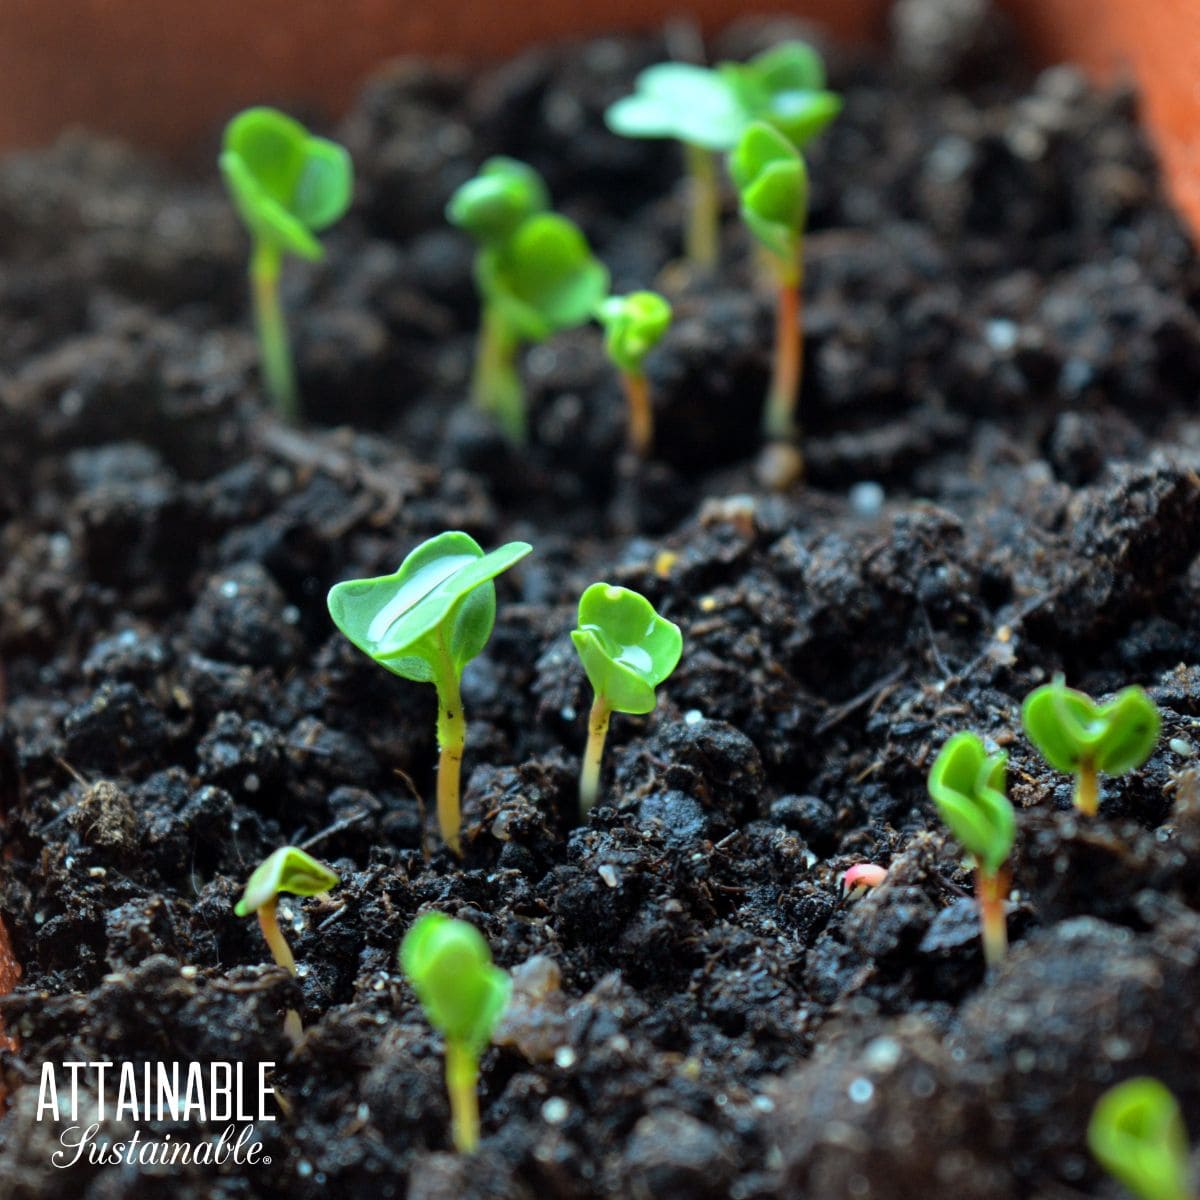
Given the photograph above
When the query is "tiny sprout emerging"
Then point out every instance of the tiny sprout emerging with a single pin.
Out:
(772, 183)
(425, 622)
(287, 186)
(633, 326)
(450, 968)
(967, 786)
(289, 869)
(861, 878)
(1079, 737)
(1138, 1136)
(534, 271)
(627, 650)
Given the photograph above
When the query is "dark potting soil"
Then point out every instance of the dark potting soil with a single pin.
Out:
(1001, 336)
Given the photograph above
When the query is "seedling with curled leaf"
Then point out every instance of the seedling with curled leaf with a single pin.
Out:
(450, 968)
(1138, 1136)
(287, 186)
(633, 326)
(627, 650)
(967, 786)
(425, 622)
(773, 185)
(291, 870)
(535, 273)
(1085, 739)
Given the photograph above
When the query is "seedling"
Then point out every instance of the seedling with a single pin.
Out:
(627, 650)
(772, 183)
(1082, 738)
(535, 273)
(633, 326)
(289, 869)
(425, 622)
(861, 878)
(967, 786)
(287, 186)
(450, 968)
(707, 110)
(1138, 1136)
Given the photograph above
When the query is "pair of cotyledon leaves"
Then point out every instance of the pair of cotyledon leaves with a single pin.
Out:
(1137, 1134)
(289, 869)
(967, 786)
(437, 611)
(712, 107)
(286, 183)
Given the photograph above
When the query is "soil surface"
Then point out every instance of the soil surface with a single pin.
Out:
(1004, 481)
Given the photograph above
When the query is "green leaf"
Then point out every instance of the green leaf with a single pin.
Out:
(289, 869)
(1069, 728)
(773, 183)
(450, 968)
(493, 205)
(285, 183)
(626, 648)
(633, 326)
(790, 66)
(785, 87)
(967, 787)
(441, 595)
(678, 100)
(544, 278)
(1137, 1135)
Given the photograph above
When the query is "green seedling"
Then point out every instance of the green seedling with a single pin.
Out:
(425, 622)
(291, 870)
(633, 326)
(967, 786)
(772, 183)
(627, 650)
(535, 273)
(1079, 737)
(1138, 1136)
(450, 968)
(707, 110)
(287, 186)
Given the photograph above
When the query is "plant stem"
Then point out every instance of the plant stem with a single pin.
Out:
(496, 384)
(779, 416)
(279, 374)
(281, 952)
(593, 756)
(993, 919)
(452, 739)
(1087, 789)
(641, 414)
(702, 235)
(462, 1083)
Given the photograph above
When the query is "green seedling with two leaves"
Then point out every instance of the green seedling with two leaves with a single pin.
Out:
(535, 273)
(289, 869)
(633, 326)
(1079, 737)
(463, 994)
(772, 185)
(425, 622)
(1138, 1136)
(967, 785)
(627, 651)
(708, 110)
(287, 186)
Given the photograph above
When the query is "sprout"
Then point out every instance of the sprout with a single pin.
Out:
(633, 326)
(1085, 739)
(967, 786)
(287, 186)
(861, 878)
(535, 274)
(1138, 1136)
(627, 650)
(289, 869)
(708, 111)
(425, 622)
(773, 185)
(450, 968)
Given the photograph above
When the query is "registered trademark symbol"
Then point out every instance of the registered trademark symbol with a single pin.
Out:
(267, 1161)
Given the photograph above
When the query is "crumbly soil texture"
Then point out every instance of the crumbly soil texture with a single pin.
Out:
(1003, 361)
